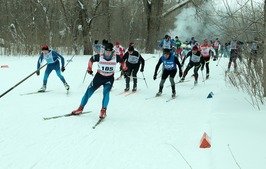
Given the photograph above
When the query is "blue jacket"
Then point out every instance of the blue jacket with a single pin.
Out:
(51, 58)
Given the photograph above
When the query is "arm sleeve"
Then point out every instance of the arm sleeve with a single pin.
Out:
(94, 58)
(59, 56)
(125, 57)
(142, 61)
(39, 62)
(122, 63)
(157, 66)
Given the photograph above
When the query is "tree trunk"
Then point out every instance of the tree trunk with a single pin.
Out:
(264, 57)
(153, 12)
(106, 20)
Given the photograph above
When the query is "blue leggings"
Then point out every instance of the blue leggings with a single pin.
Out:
(50, 67)
(99, 80)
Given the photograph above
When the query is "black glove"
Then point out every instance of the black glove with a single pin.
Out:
(180, 73)
(154, 77)
(90, 72)
(63, 68)
(141, 70)
(38, 72)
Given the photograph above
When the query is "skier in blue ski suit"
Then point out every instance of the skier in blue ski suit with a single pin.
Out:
(52, 59)
(169, 62)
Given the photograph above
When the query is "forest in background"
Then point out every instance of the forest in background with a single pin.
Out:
(71, 26)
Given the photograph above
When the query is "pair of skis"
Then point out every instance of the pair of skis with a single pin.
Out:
(70, 114)
(128, 93)
(39, 92)
(168, 100)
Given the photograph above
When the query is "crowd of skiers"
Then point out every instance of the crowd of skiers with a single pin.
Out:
(173, 60)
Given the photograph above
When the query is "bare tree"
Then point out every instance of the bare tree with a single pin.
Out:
(244, 22)
(264, 55)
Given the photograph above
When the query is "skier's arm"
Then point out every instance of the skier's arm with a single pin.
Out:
(179, 66)
(122, 63)
(39, 62)
(94, 58)
(54, 53)
(157, 67)
(142, 61)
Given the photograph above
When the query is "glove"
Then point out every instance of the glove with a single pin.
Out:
(90, 72)
(141, 70)
(38, 72)
(154, 77)
(180, 73)
(63, 68)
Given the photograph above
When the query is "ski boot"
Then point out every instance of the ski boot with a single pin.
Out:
(173, 95)
(66, 86)
(42, 89)
(102, 113)
(182, 79)
(158, 94)
(78, 111)
(207, 76)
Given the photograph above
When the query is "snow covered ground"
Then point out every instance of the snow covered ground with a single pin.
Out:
(138, 133)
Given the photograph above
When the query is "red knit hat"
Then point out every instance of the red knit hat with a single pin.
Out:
(195, 47)
(45, 47)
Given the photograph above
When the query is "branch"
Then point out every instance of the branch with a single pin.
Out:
(175, 7)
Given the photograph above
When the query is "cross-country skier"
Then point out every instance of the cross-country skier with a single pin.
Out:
(205, 49)
(133, 61)
(105, 76)
(52, 58)
(216, 44)
(195, 61)
(120, 51)
(169, 69)
(235, 49)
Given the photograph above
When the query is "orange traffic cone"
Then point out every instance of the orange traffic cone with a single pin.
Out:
(4, 66)
(205, 141)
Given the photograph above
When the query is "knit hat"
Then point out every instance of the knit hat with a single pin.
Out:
(109, 47)
(195, 47)
(45, 47)
(131, 48)
(104, 42)
(131, 44)
(117, 43)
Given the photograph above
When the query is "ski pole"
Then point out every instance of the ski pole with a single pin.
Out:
(84, 76)
(144, 79)
(218, 61)
(203, 77)
(70, 60)
(22, 81)
(136, 77)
